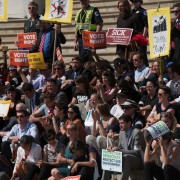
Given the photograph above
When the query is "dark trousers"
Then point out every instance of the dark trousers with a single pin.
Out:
(171, 173)
(152, 170)
(31, 172)
(6, 150)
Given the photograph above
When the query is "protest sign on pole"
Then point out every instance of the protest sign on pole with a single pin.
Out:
(158, 129)
(3, 10)
(4, 107)
(58, 11)
(119, 36)
(72, 178)
(25, 40)
(36, 60)
(18, 57)
(94, 40)
(159, 27)
(111, 160)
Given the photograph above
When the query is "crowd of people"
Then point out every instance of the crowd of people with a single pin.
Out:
(61, 117)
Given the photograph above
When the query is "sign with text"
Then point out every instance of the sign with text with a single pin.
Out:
(119, 36)
(159, 26)
(18, 58)
(4, 10)
(111, 160)
(4, 107)
(72, 178)
(94, 40)
(25, 40)
(36, 60)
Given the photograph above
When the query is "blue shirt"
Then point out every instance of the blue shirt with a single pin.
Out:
(46, 48)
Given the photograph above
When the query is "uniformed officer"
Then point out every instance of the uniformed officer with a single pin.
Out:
(142, 15)
(32, 24)
(87, 18)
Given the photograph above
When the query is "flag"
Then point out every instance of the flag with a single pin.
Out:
(159, 26)
(3, 10)
(58, 11)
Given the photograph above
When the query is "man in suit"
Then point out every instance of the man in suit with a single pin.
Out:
(32, 24)
(32, 99)
(131, 144)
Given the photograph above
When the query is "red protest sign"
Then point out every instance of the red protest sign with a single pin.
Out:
(25, 40)
(95, 40)
(119, 36)
(18, 58)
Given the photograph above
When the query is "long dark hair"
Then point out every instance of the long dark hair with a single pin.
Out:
(77, 111)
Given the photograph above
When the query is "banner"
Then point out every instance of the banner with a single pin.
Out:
(158, 129)
(119, 36)
(72, 178)
(159, 26)
(95, 40)
(36, 60)
(25, 40)
(58, 11)
(112, 160)
(4, 10)
(4, 107)
(18, 57)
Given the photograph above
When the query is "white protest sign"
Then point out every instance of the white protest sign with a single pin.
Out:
(111, 160)
(4, 107)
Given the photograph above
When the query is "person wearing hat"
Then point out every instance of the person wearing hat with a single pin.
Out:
(131, 108)
(32, 24)
(122, 70)
(87, 18)
(121, 97)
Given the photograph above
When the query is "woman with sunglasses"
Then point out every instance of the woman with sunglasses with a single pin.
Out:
(163, 105)
(65, 159)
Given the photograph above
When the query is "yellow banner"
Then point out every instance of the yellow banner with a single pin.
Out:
(4, 107)
(36, 60)
(58, 11)
(159, 23)
(3, 10)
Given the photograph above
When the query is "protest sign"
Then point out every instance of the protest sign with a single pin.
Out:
(4, 10)
(36, 60)
(4, 107)
(18, 58)
(25, 40)
(112, 160)
(95, 40)
(119, 36)
(58, 11)
(158, 129)
(72, 178)
(159, 27)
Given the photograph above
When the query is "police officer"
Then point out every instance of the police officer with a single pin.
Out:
(32, 24)
(87, 18)
(142, 15)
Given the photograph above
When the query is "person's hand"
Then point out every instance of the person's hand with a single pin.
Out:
(13, 176)
(115, 148)
(40, 163)
(7, 83)
(99, 85)
(76, 46)
(74, 168)
(162, 142)
(95, 115)
(148, 140)
(93, 51)
(109, 148)
(19, 70)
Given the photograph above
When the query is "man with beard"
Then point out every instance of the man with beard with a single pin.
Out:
(126, 20)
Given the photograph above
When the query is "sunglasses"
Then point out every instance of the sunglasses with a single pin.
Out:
(21, 116)
(161, 94)
(70, 112)
(57, 68)
(135, 60)
(51, 138)
(31, 7)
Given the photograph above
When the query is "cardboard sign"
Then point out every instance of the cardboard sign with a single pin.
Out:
(36, 60)
(72, 178)
(18, 58)
(59, 55)
(112, 160)
(119, 36)
(4, 107)
(158, 129)
(94, 40)
(4, 10)
(25, 40)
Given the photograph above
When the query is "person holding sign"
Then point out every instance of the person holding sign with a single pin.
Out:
(131, 144)
(88, 18)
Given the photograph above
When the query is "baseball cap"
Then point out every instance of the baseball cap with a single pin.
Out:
(122, 92)
(130, 103)
(119, 62)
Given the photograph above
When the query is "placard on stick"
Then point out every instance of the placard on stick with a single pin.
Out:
(119, 36)
(25, 40)
(4, 107)
(18, 57)
(94, 40)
